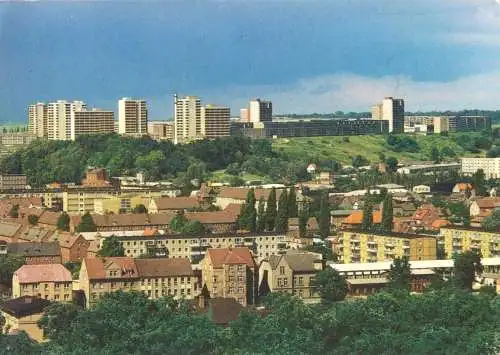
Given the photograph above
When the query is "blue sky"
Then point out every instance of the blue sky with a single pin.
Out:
(306, 56)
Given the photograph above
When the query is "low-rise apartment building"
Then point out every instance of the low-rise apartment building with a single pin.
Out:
(13, 182)
(155, 277)
(52, 282)
(36, 253)
(172, 204)
(230, 273)
(80, 200)
(291, 273)
(490, 166)
(457, 240)
(361, 246)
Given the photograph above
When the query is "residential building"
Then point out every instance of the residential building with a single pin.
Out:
(11, 142)
(59, 118)
(161, 130)
(96, 178)
(355, 219)
(490, 166)
(132, 117)
(230, 273)
(167, 277)
(37, 119)
(80, 200)
(187, 117)
(291, 273)
(393, 111)
(95, 121)
(244, 115)
(484, 206)
(260, 111)
(119, 204)
(377, 112)
(9, 231)
(172, 204)
(221, 311)
(238, 195)
(428, 169)
(150, 241)
(155, 277)
(361, 246)
(52, 282)
(126, 222)
(215, 121)
(460, 239)
(469, 123)
(37, 253)
(73, 247)
(421, 189)
(13, 182)
(23, 314)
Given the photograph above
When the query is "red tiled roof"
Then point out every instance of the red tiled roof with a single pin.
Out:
(240, 193)
(233, 208)
(488, 202)
(49, 218)
(220, 257)
(439, 223)
(356, 217)
(43, 273)
(96, 267)
(463, 186)
(176, 203)
(162, 267)
(212, 217)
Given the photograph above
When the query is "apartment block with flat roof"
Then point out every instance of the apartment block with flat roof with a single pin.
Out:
(161, 130)
(13, 182)
(187, 117)
(37, 119)
(94, 121)
(215, 121)
(490, 166)
(260, 110)
(457, 240)
(132, 117)
(59, 118)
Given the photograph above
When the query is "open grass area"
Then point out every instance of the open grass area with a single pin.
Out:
(222, 176)
(325, 148)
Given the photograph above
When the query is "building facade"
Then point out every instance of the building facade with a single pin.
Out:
(260, 111)
(59, 118)
(13, 182)
(132, 117)
(37, 119)
(93, 121)
(161, 130)
(187, 117)
(393, 111)
(457, 240)
(215, 121)
(52, 282)
(490, 166)
(230, 273)
(363, 247)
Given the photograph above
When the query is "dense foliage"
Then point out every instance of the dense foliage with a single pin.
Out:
(437, 322)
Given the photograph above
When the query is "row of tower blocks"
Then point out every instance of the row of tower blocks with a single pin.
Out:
(67, 120)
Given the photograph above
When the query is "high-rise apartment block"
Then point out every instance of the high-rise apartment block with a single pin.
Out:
(260, 110)
(187, 117)
(94, 121)
(244, 115)
(37, 119)
(59, 118)
(161, 130)
(132, 117)
(215, 121)
(391, 110)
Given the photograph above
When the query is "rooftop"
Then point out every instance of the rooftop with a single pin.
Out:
(24, 306)
(43, 273)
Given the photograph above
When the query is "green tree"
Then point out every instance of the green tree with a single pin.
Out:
(57, 320)
(33, 219)
(261, 215)
(140, 208)
(194, 228)
(293, 210)
(479, 182)
(86, 224)
(325, 250)
(324, 216)
(367, 222)
(331, 286)
(14, 211)
(281, 223)
(74, 267)
(9, 263)
(392, 164)
(303, 219)
(399, 274)
(111, 246)
(271, 210)
(178, 222)
(435, 155)
(491, 223)
(387, 213)
(465, 268)
(249, 218)
(63, 222)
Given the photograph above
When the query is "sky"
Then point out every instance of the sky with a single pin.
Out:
(305, 55)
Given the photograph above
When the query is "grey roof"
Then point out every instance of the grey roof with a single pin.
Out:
(274, 260)
(35, 249)
(34, 234)
(9, 229)
(300, 261)
(341, 212)
(24, 306)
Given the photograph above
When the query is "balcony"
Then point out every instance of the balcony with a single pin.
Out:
(372, 250)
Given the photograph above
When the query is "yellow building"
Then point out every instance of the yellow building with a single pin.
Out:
(457, 240)
(155, 277)
(81, 200)
(119, 204)
(230, 273)
(22, 314)
(291, 273)
(364, 247)
(52, 282)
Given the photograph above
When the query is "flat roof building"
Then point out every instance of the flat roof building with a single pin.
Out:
(132, 117)
(215, 121)
(95, 121)
(187, 116)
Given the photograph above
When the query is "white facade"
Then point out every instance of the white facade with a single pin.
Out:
(187, 118)
(132, 117)
(393, 111)
(260, 111)
(37, 119)
(59, 118)
(490, 166)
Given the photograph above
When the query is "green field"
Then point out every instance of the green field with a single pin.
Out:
(324, 148)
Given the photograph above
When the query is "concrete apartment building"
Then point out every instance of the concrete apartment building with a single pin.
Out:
(187, 118)
(161, 130)
(52, 282)
(132, 117)
(10, 142)
(291, 273)
(81, 200)
(457, 240)
(260, 111)
(363, 247)
(95, 121)
(391, 110)
(59, 118)
(155, 277)
(230, 273)
(13, 182)
(215, 121)
(490, 166)
(37, 119)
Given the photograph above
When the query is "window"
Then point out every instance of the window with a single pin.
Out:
(57, 285)
(56, 297)
(282, 270)
(301, 281)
